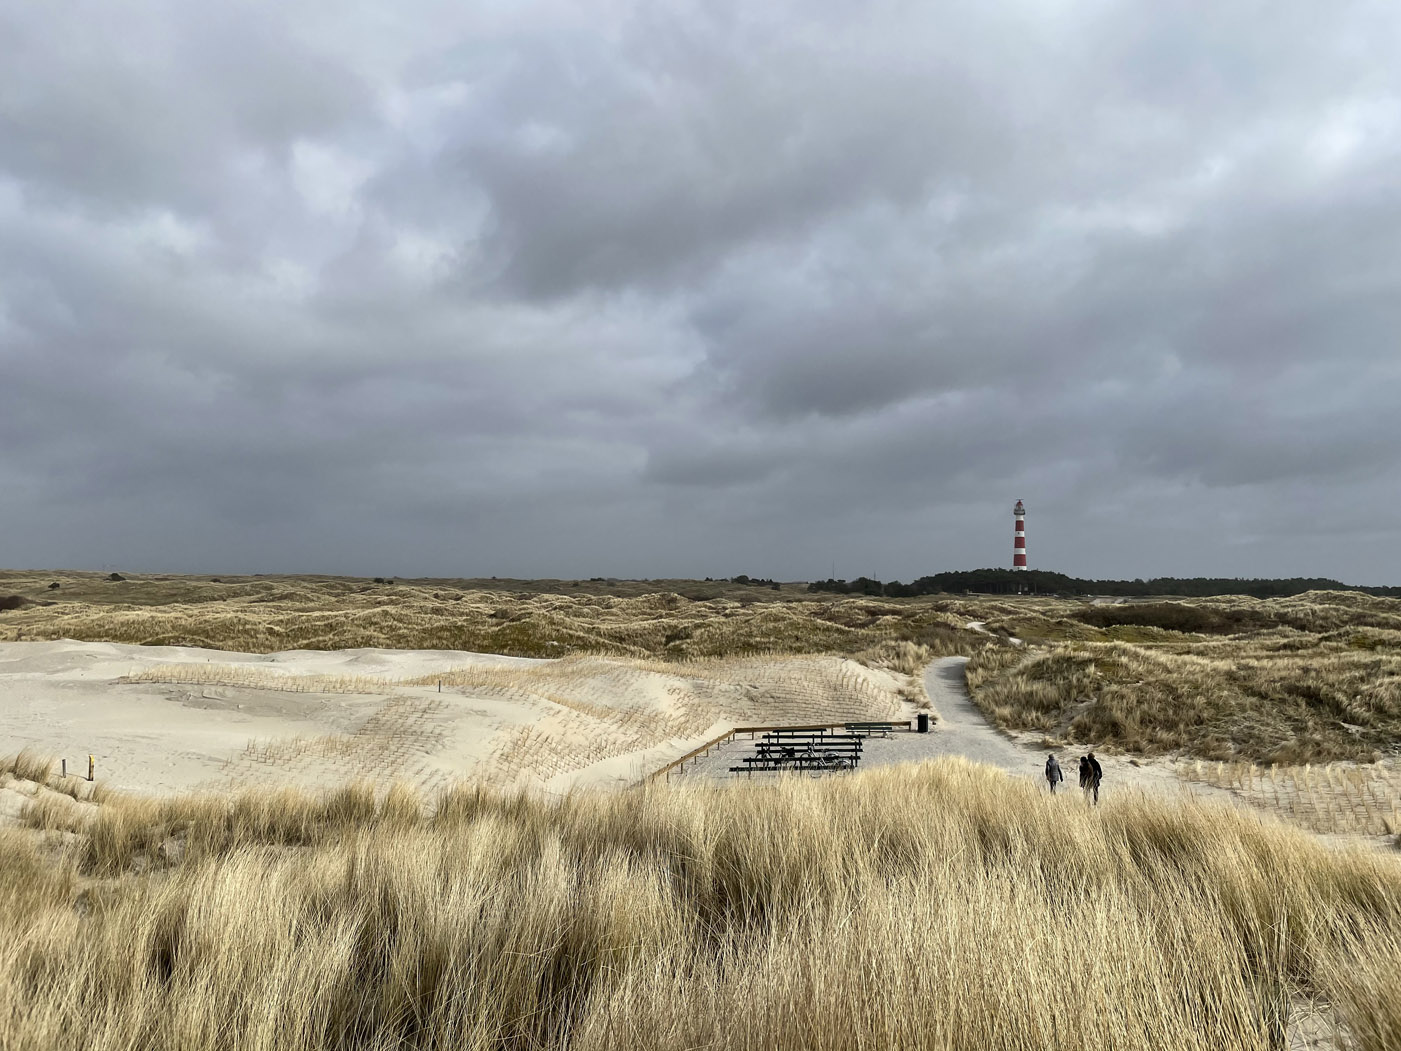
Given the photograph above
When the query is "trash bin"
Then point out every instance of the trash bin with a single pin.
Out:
(922, 723)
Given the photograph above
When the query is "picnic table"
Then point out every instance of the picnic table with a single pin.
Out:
(843, 739)
(871, 729)
(799, 749)
(802, 762)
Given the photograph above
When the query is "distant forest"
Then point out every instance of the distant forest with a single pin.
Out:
(1040, 582)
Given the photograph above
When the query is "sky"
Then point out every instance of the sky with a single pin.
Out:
(669, 289)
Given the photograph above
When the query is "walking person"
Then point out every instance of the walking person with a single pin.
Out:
(1053, 774)
(1096, 775)
(1084, 774)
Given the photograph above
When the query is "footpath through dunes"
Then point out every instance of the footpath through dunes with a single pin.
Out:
(959, 730)
(167, 719)
(963, 730)
(1347, 803)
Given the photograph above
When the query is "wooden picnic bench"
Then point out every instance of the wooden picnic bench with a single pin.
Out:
(837, 753)
(813, 739)
(804, 762)
(817, 745)
(871, 729)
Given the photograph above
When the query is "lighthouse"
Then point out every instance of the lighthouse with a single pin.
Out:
(1019, 537)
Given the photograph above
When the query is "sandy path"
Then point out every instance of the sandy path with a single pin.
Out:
(980, 626)
(960, 729)
(963, 730)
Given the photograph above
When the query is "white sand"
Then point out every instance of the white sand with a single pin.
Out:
(233, 719)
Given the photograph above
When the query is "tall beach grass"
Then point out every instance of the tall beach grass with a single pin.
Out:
(938, 906)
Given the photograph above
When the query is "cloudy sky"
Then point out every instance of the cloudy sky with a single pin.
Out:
(686, 289)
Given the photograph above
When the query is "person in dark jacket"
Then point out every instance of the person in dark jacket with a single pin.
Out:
(1096, 775)
(1084, 773)
(1053, 774)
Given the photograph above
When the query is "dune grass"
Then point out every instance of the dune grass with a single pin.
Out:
(941, 906)
(29, 765)
(52, 795)
(258, 677)
(257, 615)
(1283, 696)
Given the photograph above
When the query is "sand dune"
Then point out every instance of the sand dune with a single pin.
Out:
(165, 718)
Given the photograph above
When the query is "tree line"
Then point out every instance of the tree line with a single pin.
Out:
(1043, 582)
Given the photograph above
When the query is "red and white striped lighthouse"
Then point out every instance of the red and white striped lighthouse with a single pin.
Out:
(1019, 538)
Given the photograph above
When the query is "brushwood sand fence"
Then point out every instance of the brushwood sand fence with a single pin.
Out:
(1330, 799)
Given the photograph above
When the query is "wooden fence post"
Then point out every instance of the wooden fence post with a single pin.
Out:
(90, 766)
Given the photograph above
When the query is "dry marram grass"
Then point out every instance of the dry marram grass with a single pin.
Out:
(265, 616)
(941, 906)
(28, 765)
(1317, 679)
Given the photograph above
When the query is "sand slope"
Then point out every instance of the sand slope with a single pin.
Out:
(179, 718)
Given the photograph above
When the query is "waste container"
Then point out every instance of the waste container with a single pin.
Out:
(922, 723)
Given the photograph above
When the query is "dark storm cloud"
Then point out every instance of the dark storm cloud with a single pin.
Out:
(699, 288)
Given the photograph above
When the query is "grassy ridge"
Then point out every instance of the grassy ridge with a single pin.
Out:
(1309, 680)
(267, 615)
(1040, 581)
(944, 906)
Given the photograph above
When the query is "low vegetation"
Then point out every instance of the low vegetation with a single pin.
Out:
(936, 906)
(1301, 680)
(28, 765)
(267, 615)
(1042, 582)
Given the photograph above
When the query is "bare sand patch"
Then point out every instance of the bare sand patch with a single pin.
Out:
(167, 719)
